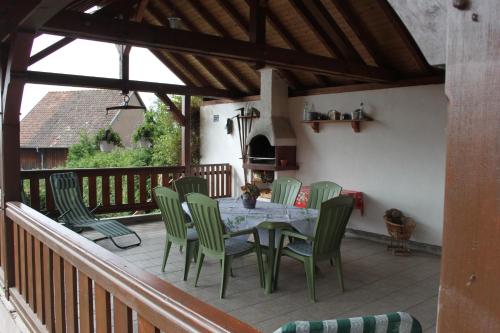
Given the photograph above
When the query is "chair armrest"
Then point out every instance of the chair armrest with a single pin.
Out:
(239, 233)
(94, 209)
(63, 214)
(294, 234)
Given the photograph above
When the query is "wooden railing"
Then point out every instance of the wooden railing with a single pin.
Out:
(66, 283)
(122, 189)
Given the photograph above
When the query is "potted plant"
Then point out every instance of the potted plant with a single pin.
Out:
(107, 139)
(143, 135)
(249, 195)
(400, 228)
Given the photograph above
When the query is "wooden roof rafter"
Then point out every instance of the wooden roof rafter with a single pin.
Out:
(212, 21)
(290, 41)
(210, 65)
(344, 8)
(337, 35)
(86, 26)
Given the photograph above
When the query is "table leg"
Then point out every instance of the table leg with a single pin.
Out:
(271, 252)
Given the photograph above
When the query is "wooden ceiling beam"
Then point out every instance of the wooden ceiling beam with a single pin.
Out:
(405, 35)
(178, 58)
(138, 16)
(337, 35)
(291, 41)
(257, 26)
(208, 64)
(235, 15)
(217, 26)
(313, 24)
(179, 117)
(79, 25)
(117, 84)
(174, 68)
(369, 43)
(27, 14)
(50, 49)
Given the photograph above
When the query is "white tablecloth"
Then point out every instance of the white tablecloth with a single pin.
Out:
(236, 217)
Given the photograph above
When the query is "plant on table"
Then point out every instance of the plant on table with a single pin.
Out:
(249, 196)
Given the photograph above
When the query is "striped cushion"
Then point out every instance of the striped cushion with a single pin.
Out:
(399, 322)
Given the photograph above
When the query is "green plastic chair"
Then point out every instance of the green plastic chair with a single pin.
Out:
(216, 243)
(186, 185)
(323, 245)
(178, 231)
(398, 322)
(322, 191)
(76, 216)
(285, 190)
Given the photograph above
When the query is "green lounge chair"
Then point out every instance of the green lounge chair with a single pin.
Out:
(76, 216)
(217, 244)
(398, 322)
(186, 185)
(322, 191)
(285, 190)
(323, 245)
(178, 231)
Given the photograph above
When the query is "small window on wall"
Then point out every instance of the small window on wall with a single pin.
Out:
(216, 118)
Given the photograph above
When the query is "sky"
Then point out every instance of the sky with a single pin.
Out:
(83, 57)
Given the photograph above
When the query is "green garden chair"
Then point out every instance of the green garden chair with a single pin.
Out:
(186, 185)
(398, 322)
(323, 245)
(178, 231)
(285, 190)
(76, 216)
(216, 243)
(322, 191)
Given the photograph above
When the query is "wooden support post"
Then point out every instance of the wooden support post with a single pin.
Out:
(469, 291)
(10, 181)
(186, 132)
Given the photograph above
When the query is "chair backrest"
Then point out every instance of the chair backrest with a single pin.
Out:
(399, 322)
(285, 190)
(330, 228)
(186, 185)
(171, 212)
(68, 199)
(322, 191)
(207, 221)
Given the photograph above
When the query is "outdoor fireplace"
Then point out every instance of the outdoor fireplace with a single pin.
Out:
(271, 141)
(261, 151)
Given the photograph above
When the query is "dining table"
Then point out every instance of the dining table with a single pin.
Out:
(269, 218)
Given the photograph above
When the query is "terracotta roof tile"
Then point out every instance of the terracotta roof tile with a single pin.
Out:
(60, 116)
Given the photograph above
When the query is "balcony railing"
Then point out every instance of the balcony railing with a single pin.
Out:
(66, 283)
(123, 189)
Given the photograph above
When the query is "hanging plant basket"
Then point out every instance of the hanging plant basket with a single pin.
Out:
(106, 146)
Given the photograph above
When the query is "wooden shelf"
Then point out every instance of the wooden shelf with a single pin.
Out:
(355, 124)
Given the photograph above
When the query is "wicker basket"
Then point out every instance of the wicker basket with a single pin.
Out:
(401, 231)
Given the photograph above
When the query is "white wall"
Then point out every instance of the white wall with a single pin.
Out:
(126, 122)
(397, 160)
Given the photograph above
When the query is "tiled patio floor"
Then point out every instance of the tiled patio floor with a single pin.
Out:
(376, 282)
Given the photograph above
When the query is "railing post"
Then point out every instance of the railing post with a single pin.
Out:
(15, 57)
(186, 133)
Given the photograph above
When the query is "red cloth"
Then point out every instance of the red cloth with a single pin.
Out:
(304, 192)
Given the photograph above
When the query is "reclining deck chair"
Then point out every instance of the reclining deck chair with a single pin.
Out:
(398, 322)
(76, 216)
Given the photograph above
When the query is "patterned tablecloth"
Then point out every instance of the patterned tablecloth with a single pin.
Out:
(235, 217)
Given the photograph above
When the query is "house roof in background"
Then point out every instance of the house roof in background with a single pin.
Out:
(61, 116)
